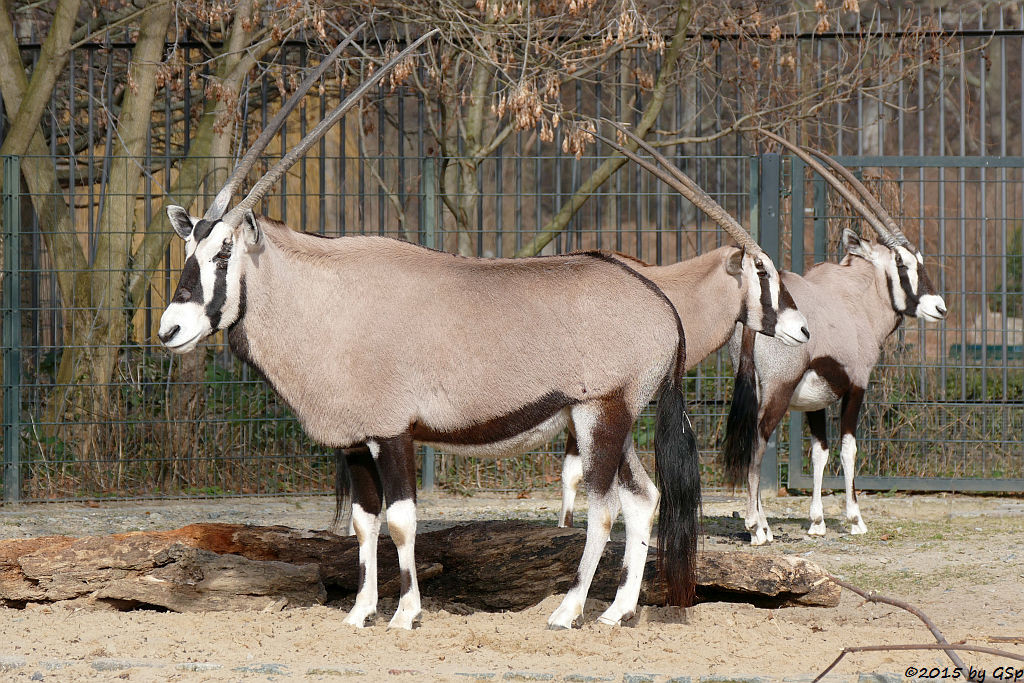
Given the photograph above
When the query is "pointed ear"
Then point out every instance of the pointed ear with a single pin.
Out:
(181, 221)
(855, 246)
(251, 230)
(734, 264)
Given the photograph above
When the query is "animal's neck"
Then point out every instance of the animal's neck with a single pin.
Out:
(871, 296)
(708, 298)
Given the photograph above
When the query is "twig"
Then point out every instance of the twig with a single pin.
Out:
(943, 644)
(871, 596)
(928, 646)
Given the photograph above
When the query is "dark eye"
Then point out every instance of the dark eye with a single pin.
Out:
(224, 254)
(759, 264)
(899, 259)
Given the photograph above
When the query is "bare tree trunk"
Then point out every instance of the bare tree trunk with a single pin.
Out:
(684, 12)
(98, 321)
(52, 57)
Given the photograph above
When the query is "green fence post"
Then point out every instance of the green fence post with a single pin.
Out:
(428, 238)
(768, 237)
(796, 264)
(12, 330)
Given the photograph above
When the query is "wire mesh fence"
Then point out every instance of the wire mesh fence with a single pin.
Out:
(944, 409)
(93, 407)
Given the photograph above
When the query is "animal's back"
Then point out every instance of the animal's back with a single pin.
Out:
(433, 337)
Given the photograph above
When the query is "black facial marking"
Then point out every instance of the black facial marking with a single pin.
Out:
(202, 230)
(498, 428)
(913, 298)
(769, 316)
(190, 286)
(214, 309)
(785, 298)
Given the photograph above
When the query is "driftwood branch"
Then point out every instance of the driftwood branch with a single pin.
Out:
(507, 565)
(942, 644)
(871, 596)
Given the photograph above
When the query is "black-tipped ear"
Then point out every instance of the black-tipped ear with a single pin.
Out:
(734, 264)
(855, 246)
(251, 229)
(181, 221)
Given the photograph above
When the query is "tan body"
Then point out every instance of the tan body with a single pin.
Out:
(849, 330)
(712, 293)
(851, 308)
(423, 339)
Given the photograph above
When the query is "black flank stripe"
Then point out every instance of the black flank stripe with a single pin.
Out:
(498, 428)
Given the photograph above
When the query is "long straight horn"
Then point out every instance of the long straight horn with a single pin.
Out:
(220, 202)
(872, 201)
(684, 185)
(264, 184)
(887, 238)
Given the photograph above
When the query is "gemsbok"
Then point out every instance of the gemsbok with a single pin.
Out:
(712, 292)
(379, 342)
(851, 308)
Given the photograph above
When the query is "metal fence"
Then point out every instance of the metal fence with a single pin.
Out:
(944, 409)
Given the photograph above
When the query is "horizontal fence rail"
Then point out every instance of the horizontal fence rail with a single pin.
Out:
(943, 410)
(95, 408)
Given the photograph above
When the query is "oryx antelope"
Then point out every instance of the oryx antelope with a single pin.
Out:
(379, 342)
(851, 308)
(712, 292)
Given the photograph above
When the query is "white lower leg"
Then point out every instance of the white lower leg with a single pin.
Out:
(638, 512)
(763, 521)
(572, 475)
(402, 526)
(367, 528)
(849, 457)
(754, 519)
(599, 526)
(819, 456)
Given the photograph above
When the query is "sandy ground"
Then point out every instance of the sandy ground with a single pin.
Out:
(959, 558)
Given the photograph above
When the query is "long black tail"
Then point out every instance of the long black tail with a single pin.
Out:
(342, 487)
(741, 426)
(677, 465)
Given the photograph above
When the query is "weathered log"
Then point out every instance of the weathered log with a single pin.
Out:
(487, 565)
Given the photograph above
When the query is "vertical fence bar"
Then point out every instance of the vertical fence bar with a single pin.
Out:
(767, 189)
(796, 264)
(12, 329)
(428, 238)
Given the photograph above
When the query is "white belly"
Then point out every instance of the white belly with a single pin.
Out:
(517, 445)
(812, 393)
